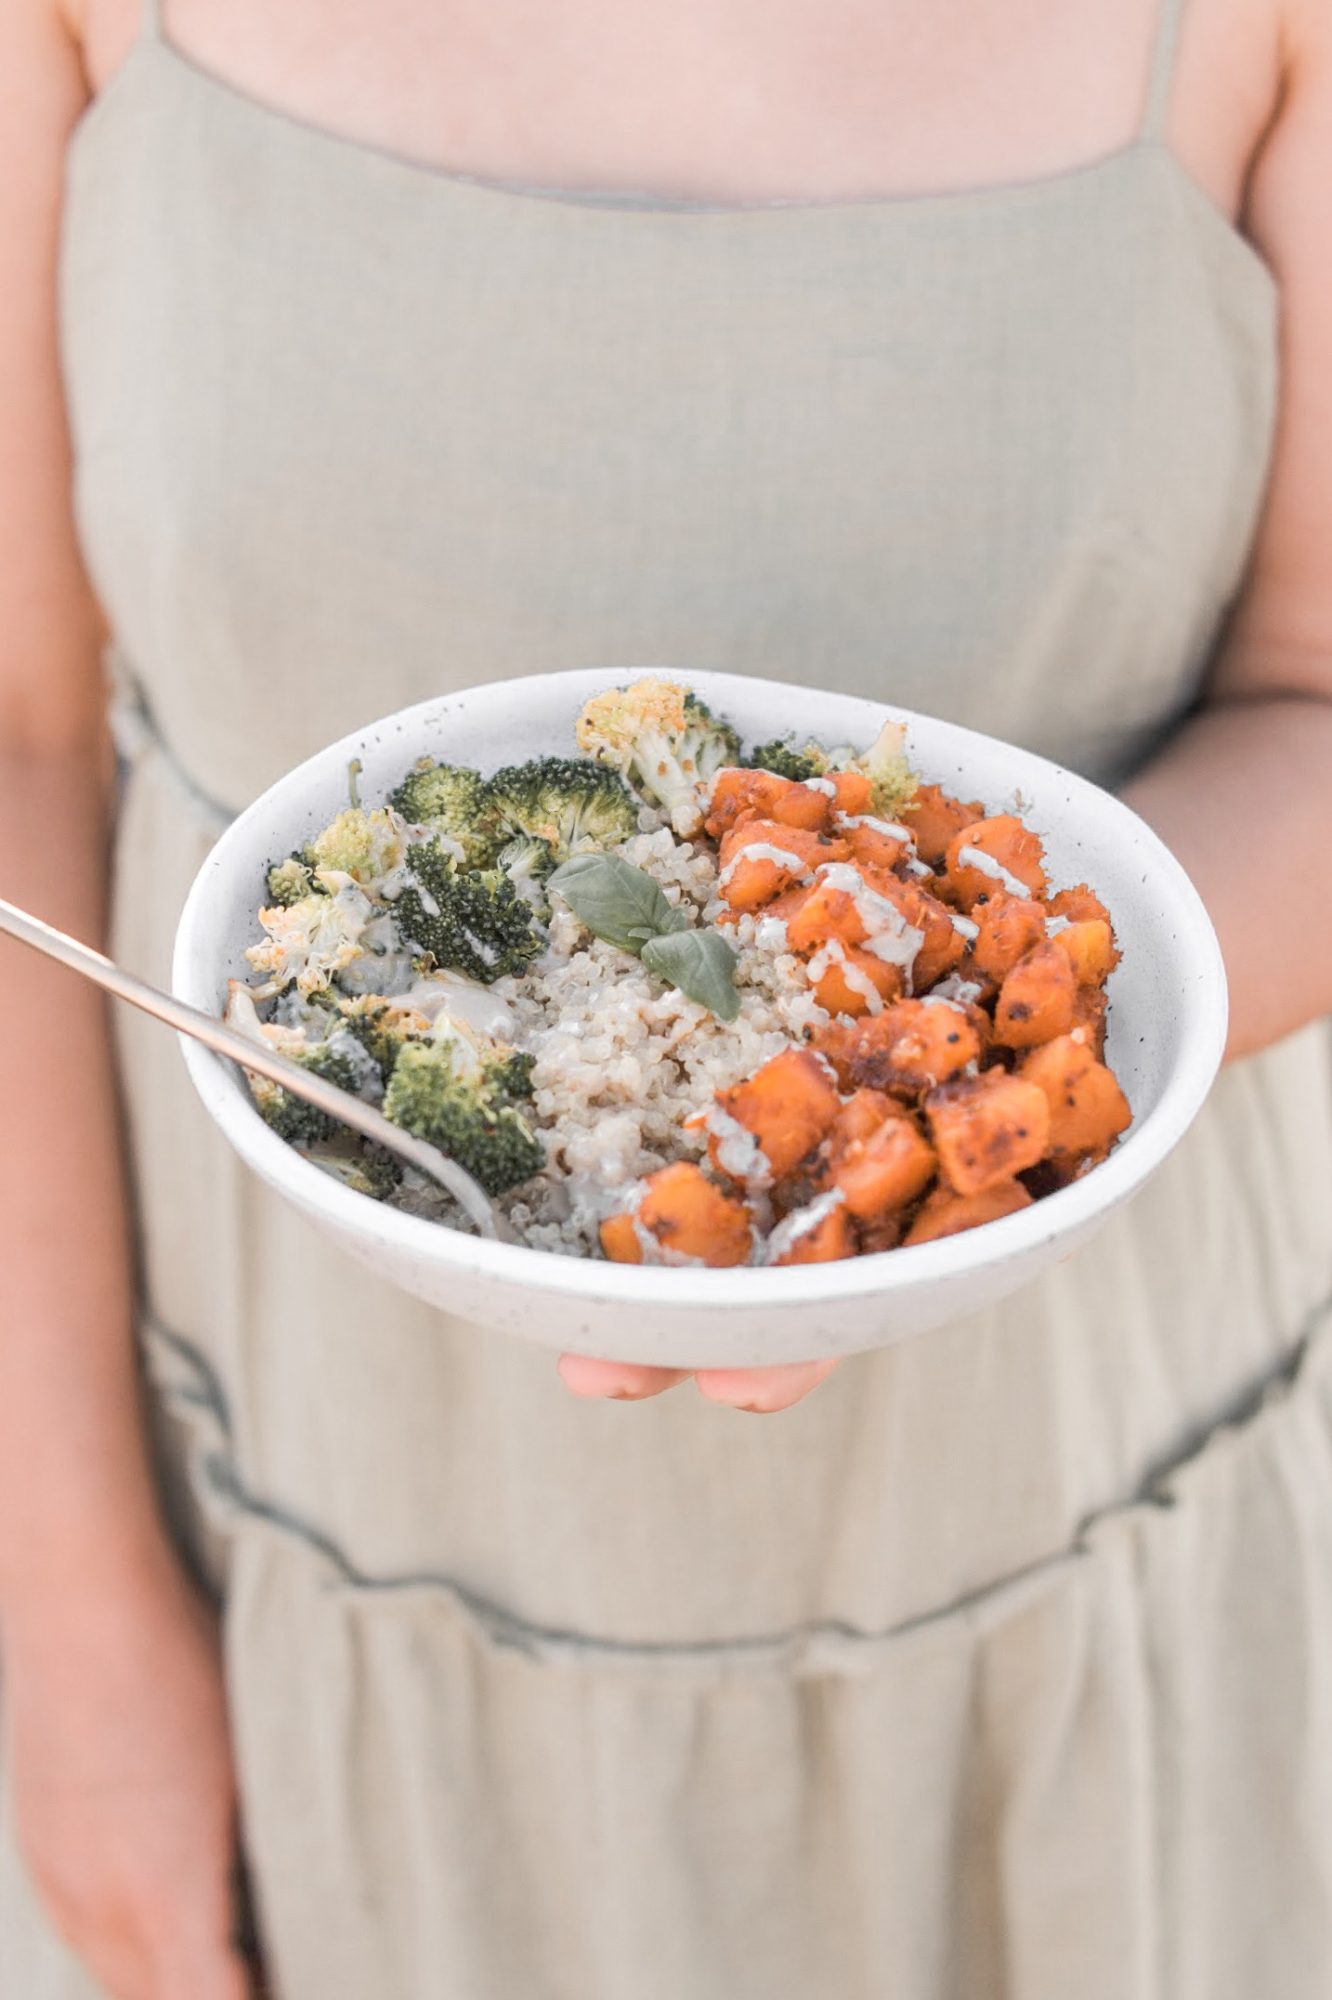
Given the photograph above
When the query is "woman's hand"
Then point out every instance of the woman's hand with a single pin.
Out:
(762, 1390)
(121, 1775)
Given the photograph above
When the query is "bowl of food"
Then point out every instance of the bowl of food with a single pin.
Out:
(777, 1024)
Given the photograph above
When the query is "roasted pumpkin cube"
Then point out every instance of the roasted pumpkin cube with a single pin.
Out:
(1087, 1108)
(851, 982)
(738, 795)
(912, 1046)
(1036, 1001)
(825, 912)
(1007, 927)
(1089, 947)
(786, 1108)
(1089, 1012)
(853, 792)
(987, 1128)
(945, 1213)
(870, 844)
(992, 854)
(1079, 905)
(760, 858)
(683, 1215)
(935, 817)
(879, 1175)
(944, 947)
(823, 1233)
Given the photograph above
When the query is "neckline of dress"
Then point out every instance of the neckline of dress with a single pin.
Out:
(606, 204)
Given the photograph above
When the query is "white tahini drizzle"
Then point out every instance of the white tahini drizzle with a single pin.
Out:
(737, 1151)
(985, 864)
(893, 828)
(799, 1223)
(965, 927)
(763, 850)
(888, 935)
(834, 953)
(824, 785)
(962, 992)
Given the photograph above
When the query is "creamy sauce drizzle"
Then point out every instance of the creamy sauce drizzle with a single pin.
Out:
(736, 1150)
(763, 850)
(834, 953)
(985, 864)
(888, 934)
(788, 1233)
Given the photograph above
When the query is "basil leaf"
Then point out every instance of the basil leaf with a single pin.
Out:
(701, 964)
(615, 900)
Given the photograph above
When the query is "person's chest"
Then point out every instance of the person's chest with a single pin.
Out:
(734, 100)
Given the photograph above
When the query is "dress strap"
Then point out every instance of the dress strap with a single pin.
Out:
(154, 28)
(1161, 75)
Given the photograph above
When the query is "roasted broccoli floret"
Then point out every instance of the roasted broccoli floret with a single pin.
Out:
(567, 802)
(291, 1117)
(364, 845)
(885, 765)
(312, 939)
(371, 1171)
(528, 860)
(664, 740)
(474, 919)
(383, 1027)
(452, 800)
(784, 760)
(290, 880)
(462, 1094)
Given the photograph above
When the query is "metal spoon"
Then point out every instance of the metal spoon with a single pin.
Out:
(225, 1041)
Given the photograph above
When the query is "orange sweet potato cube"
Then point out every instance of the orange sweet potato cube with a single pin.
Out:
(1086, 1105)
(883, 1172)
(912, 1046)
(1089, 947)
(760, 858)
(738, 795)
(687, 1217)
(935, 817)
(787, 1107)
(847, 979)
(944, 1213)
(1036, 1001)
(987, 1128)
(1007, 855)
(1008, 927)
(827, 1240)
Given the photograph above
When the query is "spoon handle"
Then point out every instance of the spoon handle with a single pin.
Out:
(256, 1056)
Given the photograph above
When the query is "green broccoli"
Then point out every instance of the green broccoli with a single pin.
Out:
(460, 1093)
(371, 1171)
(452, 800)
(473, 920)
(290, 881)
(364, 845)
(383, 1027)
(665, 741)
(783, 759)
(885, 765)
(567, 802)
(528, 860)
(301, 1124)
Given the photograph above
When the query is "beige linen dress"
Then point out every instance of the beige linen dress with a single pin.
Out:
(1001, 1668)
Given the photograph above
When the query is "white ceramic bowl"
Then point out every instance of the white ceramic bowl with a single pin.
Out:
(1167, 1028)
